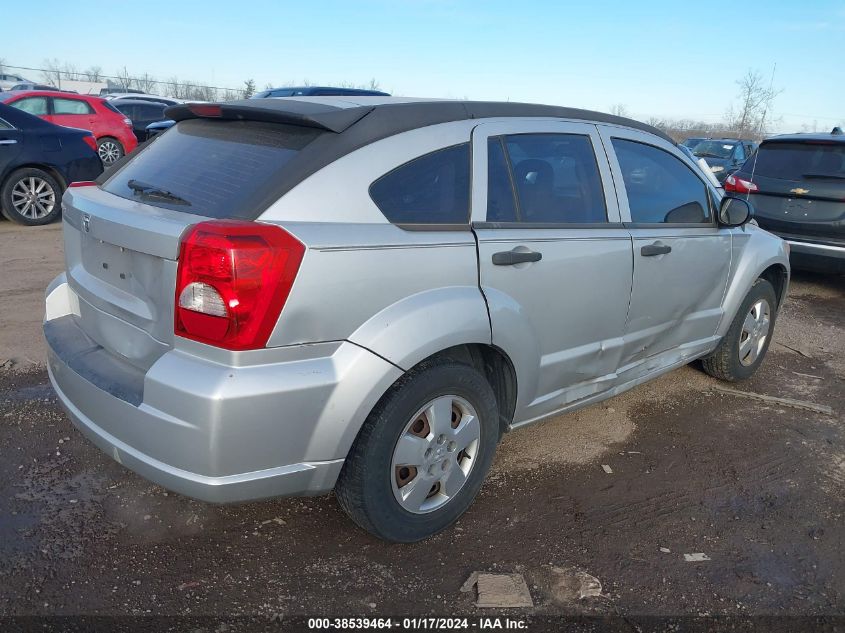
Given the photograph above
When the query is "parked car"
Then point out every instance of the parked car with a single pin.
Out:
(141, 113)
(29, 85)
(142, 97)
(285, 297)
(797, 185)
(38, 160)
(111, 128)
(119, 90)
(693, 141)
(7, 80)
(317, 91)
(158, 127)
(724, 155)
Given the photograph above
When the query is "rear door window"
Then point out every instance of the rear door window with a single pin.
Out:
(660, 187)
(431, 189)
(219, 169)
(800, 161)
(33, 105)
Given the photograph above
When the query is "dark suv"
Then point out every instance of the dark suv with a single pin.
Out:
(724, 155)
(797, 185)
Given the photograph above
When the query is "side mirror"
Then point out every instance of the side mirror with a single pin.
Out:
(735, 211)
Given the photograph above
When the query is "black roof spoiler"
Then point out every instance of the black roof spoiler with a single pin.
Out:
(289, 111)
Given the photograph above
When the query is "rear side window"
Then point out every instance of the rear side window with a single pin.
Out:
(555, 177)
(71, 106)
(431, 189)
(33, 105)
(799, 161)
(661, 188)
(219, 169)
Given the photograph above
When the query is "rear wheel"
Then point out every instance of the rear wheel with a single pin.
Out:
(422, 454)
(31, 196)
(110, 150)
(743, 348)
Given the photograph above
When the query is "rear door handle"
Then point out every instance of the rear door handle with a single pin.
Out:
(658, 248)
(509, 258)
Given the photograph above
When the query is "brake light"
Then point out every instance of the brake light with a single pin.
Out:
(90, 141)
(83, 183)
(205, 109)
(737, 185)
(128, 122)
(232, 282)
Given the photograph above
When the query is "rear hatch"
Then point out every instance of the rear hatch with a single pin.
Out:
(122, 237)
(801, 188)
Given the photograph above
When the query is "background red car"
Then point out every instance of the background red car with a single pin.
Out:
(110, 127)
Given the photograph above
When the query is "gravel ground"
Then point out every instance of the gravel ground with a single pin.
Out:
(757, 488)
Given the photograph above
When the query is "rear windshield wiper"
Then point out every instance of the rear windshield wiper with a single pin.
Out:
(833, 176)
(147, 190)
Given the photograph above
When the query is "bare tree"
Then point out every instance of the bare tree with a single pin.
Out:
(93, 73)
(52, 72)
(619, 109)
(755, 99)
(124, 78)
(147, 83)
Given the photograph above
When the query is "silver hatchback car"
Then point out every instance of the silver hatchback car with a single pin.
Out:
(289, 297)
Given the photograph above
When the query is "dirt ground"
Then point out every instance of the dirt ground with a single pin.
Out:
(756, 488)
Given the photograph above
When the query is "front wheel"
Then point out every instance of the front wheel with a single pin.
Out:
(422, 455)
(110, 150)
(743, 348)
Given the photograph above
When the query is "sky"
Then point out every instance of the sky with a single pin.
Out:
(677, 59)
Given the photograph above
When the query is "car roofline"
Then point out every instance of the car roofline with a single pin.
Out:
(398, 114)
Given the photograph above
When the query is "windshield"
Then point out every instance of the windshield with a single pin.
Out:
(797, 161)
(714, 149)
(693, 142)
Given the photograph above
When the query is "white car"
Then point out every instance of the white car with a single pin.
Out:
(7, 80)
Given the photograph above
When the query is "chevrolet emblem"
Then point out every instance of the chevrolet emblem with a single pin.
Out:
(798, 191)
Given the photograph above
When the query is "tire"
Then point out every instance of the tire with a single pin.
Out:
(735, 359)
(375, 475)
(110, 150)
(31, 196)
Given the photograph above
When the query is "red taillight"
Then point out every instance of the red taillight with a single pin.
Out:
(83, 183)
(90, 141)
(737, 185)
(232, 282)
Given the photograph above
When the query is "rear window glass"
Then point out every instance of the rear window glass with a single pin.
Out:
(432, 189)
(798, 161)
(219, 169)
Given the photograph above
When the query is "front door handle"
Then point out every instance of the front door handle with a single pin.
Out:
(7, 141)
(509, 258)
(658, 248)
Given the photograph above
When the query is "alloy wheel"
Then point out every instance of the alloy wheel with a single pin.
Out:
(33, 198)
(109, 152)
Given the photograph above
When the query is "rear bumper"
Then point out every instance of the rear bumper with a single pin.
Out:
(212, 431)
(815, 256)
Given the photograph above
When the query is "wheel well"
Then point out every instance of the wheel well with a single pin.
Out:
(776, 275)
(49, 169)
(496, 367)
